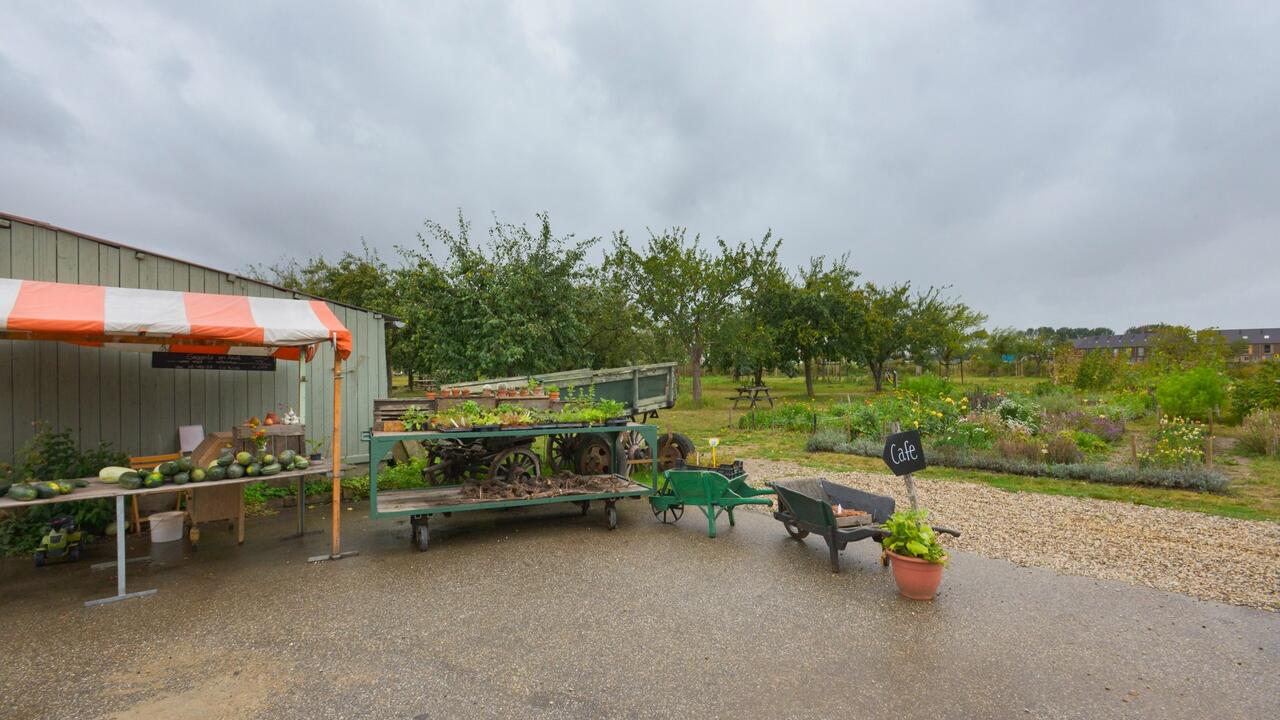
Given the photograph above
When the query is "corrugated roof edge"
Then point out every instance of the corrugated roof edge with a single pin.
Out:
(57, 228)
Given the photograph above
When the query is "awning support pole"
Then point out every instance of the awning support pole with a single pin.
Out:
(335, 551)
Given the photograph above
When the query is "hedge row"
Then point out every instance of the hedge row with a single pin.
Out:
(1193, 477)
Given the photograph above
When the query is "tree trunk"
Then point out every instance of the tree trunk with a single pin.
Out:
(759, 376)
(877, 374)
(808, 376)
(695, 357)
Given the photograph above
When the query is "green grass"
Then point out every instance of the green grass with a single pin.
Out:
(1254, 493)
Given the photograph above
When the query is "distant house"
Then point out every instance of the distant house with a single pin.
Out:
(1257, 344)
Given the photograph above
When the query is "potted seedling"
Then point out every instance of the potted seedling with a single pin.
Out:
(553, 392)
(431, 394)
(917, 556)
(316, 446)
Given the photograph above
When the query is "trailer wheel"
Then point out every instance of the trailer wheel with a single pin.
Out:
(611, 513)
(562, 451)
(516, 465)
(795, 531)
(594, 457)
(673, 447)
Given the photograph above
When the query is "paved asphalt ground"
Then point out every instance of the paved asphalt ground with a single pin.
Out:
(545, 614)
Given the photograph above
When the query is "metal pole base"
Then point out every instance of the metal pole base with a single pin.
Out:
(295, 536)
(118, 598)
(339, 556)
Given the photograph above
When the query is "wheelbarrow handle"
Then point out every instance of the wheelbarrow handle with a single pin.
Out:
(949, 531)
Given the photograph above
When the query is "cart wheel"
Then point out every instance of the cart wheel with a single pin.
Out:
(795, 532)
(670, 514)
(561, 450)
(611, 513)
(74, 554)
(516, 465)
(39, 558)
(672, 448)
(585, 505)
(420, 536)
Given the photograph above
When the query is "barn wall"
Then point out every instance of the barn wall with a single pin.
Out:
(113, 396)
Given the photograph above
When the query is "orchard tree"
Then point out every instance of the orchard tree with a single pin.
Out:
(686, 288)
(817, 309)
(1177, 347)
(882, 329)
(945, 330)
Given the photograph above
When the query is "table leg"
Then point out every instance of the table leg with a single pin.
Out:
(121, 563)
(240, 519)
(302, 505)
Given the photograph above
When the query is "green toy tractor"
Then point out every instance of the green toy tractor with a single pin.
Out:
(61, 541)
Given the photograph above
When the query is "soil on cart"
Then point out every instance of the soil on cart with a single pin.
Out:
(564, 483)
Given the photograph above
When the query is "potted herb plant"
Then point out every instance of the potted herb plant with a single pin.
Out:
(316, 446)
(414, 419)
(917, 556)
(553, 392)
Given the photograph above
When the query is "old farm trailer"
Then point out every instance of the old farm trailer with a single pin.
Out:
(644, 389)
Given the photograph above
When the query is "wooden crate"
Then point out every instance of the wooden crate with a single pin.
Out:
(209, 449)
(279, 438)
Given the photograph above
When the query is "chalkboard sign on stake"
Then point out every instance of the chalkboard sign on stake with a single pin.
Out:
(904, 454)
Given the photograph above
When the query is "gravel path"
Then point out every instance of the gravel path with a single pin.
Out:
(1205, 556)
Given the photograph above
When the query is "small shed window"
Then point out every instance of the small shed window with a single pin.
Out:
(1142, 352)
(1266, 349)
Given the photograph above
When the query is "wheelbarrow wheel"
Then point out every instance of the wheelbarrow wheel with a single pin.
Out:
(611, 513)
(669, 515)
(794, 531)
(418, 534)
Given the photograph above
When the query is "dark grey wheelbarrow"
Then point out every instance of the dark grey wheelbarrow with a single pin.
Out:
(804, 506)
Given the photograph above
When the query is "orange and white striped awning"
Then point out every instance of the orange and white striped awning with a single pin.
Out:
(151, 320)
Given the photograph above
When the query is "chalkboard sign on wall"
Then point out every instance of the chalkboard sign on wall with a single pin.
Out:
(201, 361)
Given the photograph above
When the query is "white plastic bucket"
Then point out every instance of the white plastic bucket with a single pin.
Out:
(166, 526)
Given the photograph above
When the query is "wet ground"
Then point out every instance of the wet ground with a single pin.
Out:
(545, 614)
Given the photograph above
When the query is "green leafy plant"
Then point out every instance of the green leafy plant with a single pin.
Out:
(1260, 433)
(910, 535)
(1196, 393)
(415, 419)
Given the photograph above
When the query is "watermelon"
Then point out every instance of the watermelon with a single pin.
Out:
(5, 484)
(185, 465)
(270, 469)
(225, 459)
(244, 458)
(253, 470)
(198, 475)
(168, 468)
(286, 458)
(80, 482)
(301, 463)
(112, 474)
(130, 481)
(268, 458)
(22, 492)
(235, 470)
(216, 473)
(64, 487)
(182, 478)
(128, 474)
(153, 480)
(46, 490)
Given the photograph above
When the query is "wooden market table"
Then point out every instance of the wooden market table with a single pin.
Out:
(99, 490)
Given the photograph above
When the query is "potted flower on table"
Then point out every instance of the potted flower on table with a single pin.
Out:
(917, 556)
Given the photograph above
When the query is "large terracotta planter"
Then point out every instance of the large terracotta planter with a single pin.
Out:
(917, 579)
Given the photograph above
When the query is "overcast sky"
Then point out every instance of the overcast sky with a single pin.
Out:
(1108, 163)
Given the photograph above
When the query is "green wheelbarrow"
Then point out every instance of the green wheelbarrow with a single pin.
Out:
(707, 490)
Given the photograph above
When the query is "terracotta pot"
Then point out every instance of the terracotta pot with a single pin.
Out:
(917, 579)
(524, 392)
(431, 394)
(554, 395)
(466, 392)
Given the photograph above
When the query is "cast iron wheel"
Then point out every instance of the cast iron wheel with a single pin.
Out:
(418, 534)
(795, 532)
(595, 457)
(39, 558)
(673, 447)
(585, 505)
(611, 512)
(74, 554)
(516, 465)
(670, 514)
(631, 446)
(561, 451)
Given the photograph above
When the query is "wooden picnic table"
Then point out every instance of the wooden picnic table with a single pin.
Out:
(754, 394)
(96, 489)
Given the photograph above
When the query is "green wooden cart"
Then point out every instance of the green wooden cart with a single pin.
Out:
(509, 452)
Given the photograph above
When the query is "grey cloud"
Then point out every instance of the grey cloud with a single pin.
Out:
(1072, 163)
